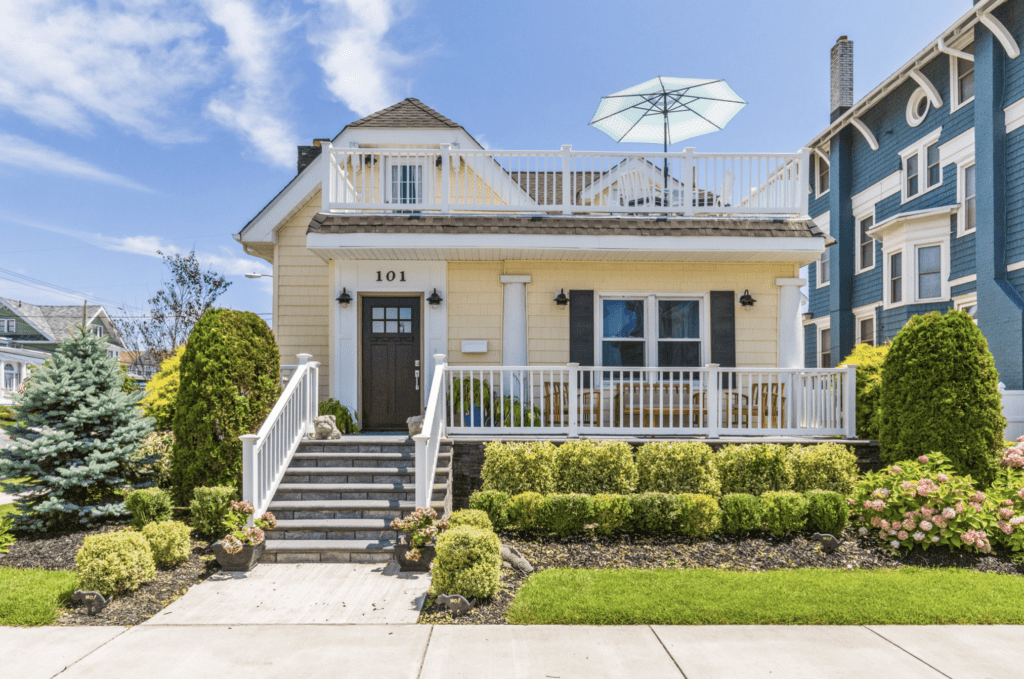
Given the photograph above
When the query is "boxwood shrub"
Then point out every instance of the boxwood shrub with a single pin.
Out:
(519, 467)
(613, 513)
(741, 513)
(827, 512)
(111, 563)
(526, 511)
(147, 505)
(677, 467)
(754, 468)
(209, 508)
(170, 542)
(653, 513)
(567, 514)
(467, 562)
(586, 466)
(783, 511)
(697, 516)
(825, 466)
(494, 503)
(470, 517)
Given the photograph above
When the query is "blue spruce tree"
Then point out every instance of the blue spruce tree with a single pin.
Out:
(77, 444)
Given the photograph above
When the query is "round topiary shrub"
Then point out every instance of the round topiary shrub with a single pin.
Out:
(869, 361)
(677, 467)
(170, 542)
(824, 466)
(940, 393)
(148, 505)
(783, 511)
(470, 517)
(827, 512)
(467, 562)
(591, 467)
(229, 382)
(114, 562)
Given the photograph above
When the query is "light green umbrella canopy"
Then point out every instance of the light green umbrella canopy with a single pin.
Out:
(667, 110)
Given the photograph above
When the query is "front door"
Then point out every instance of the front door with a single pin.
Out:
(391, 361)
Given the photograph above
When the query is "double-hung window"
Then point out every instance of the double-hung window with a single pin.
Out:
(934, 175)
(929, 272)
(896, 278)
(867, 245)
(913, 180)
(867, 331)
(651, 332)
(962, 72)
(824, 268)
(822, 176)
(970, 214)
(922, 166)
(12, 380)
(825, 347)
(8, 325)
(97, 330)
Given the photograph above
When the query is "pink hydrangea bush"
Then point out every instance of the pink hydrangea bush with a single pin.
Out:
(1007, 494)
(924, 503)
(422, 527)
(240, 534)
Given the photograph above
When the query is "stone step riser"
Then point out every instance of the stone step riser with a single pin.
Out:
(326, 557)
(284, 496)
(320, 514)
(339, 534)
(354, 478)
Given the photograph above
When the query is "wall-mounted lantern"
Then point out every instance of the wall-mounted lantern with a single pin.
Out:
(434, 299)
(561, 299)
(344, 299)
(746, 299)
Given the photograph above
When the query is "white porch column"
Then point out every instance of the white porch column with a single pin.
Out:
(791, 332)
(513, 321)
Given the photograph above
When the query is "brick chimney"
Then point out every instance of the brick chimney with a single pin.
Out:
(841, 60)
(307, 154)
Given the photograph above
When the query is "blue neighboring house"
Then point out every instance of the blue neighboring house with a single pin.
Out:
(921, 183)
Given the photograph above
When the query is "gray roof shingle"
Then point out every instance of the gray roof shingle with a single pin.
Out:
(408, 113)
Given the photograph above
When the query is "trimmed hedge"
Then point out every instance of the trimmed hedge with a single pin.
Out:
(494, 504)
(468, 562)
(470, 517)
(519, 467)
(230, 374)
(613, 513)
(783, 512)
(755, 468)
(526, 510)
(698, 516)
(677, 467)
(827, 512)
(111, 563)
(566, 515)
(147, 505)
(940, 394)
(170, 542)
(586, 466)
(825, 466)
(741, 513)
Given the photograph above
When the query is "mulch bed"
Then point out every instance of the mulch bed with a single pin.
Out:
(57, 552)
(762, 552)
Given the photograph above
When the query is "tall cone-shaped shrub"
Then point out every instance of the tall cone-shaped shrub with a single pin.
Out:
(940, 394)
(77, 448)
(229, 382)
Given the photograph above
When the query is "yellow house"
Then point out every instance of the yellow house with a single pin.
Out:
(547, 291)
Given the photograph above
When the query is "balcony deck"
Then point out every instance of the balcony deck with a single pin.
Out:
(448, 180)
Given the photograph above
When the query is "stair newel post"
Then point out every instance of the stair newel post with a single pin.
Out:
(308, 408)
(712, 404)
(249, 472)
(574, 399)
(850, 401)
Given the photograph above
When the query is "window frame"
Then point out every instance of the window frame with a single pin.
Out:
(819, 161)
(954, 77)
(961, 222)
(389, 181)
(918, 247)
(889, 287)
(822, 329)
(652, 337)
(862, 314)
(918, 152)
(820, 283)
(9, 325)
(965, 302)
(861, 234)
(916, 97)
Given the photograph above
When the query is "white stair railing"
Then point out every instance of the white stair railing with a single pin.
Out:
(267, 453)
(428, 441)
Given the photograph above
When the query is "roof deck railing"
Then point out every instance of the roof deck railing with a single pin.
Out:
(448, 180)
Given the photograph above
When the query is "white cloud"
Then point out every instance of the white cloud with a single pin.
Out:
(357, 62)
(24, 153)
(223, 262)
(255, 45)
(66, 64)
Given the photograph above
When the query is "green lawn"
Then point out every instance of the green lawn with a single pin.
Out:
(905, 596)
(31, 597)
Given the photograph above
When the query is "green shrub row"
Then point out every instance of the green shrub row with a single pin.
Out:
(593, 467)
(111, 563)
(695, 515)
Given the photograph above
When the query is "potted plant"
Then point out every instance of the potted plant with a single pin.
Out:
(242, 547)
(471, 398)
(415, 548)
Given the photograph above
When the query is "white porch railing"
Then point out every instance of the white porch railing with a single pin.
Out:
(710, 401)
(428, 441)
(447, 180)
(267, 453)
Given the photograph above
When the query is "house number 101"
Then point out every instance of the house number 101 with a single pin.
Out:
(390, 276)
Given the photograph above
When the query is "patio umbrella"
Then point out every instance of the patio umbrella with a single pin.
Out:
(667, 110)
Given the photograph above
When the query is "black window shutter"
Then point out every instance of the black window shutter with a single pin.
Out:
(723, 328)
(581, 327)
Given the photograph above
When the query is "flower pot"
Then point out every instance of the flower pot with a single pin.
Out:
(473, 418)
(421, 565)
(244, 560)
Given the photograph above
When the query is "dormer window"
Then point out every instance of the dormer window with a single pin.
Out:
(8, 325)
(97, 330)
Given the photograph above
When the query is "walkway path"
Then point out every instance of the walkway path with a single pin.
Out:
(159, 651)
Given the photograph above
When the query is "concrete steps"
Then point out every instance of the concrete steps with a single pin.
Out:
(337, 499)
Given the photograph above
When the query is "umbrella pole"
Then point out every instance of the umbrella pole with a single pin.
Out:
(664, 160)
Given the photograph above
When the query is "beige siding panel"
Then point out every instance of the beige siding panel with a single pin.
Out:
(475, 301)
(302, 295)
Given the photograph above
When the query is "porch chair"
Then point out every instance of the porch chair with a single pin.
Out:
(769, 403)
(556, 404)
(636, 190)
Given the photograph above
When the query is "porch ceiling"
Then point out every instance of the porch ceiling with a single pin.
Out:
(488, 238)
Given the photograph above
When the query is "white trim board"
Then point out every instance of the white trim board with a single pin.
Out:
(1016, 266)
(965, 279)
(1014, 115)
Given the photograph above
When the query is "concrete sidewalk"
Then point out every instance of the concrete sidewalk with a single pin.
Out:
(498, 652)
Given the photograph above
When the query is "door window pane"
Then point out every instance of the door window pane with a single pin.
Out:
(405, 312)
(378, 313)
(404, 326)
(679, 319)
(378, 326)
(929, 278)
(623, 318)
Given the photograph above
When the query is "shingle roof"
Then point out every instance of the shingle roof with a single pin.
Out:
(408, 113)
(557, 226)
(56, 321)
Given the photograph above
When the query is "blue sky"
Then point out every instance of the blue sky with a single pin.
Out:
(127, 128)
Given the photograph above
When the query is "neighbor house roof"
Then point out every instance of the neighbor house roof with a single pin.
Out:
(408, 113)
(557, 226)
(54, 321)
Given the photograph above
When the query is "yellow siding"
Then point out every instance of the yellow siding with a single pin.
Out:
(474, 310)
(475, 296)
(302, 309)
